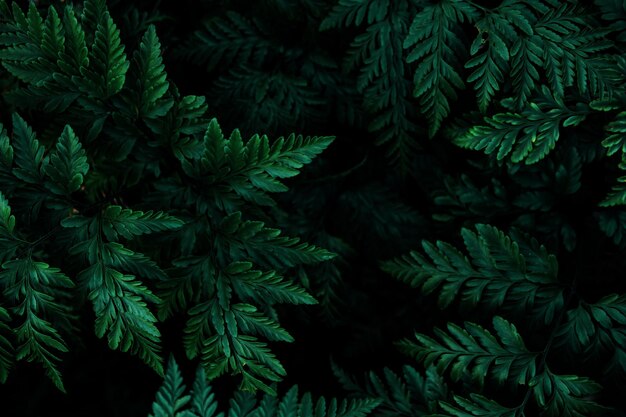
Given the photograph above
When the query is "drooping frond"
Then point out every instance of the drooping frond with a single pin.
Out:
(435, 44)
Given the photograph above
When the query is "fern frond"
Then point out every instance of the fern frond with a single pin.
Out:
(68, 164)
(247, 239)
(7, 220)
(202, 398)
(498, 270)
(118, 221)
(108, 65)
(525, 61)
(75, 55)
(434, 44)
(527, 136)
(566, 395)
(616, 140)
(29, 154)
(267, 286)
(119, 300)
(150, 79)
(252, 321)
(477, 352)
(569, 53)
(253, 168)
(93, 13)
(408, 394)
(136, 263)
(592, 328)
(379, 55)
(260, 363)
(171, 399)
(35, 285)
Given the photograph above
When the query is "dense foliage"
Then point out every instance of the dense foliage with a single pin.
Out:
(443, 234)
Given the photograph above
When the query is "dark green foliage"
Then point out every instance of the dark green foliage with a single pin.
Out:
(227, 273)
(474, 354)
(499, 275)
(255, 254)
(172, 401)
(435, 45)
(527, 136)
(477, 352)
(410, 394)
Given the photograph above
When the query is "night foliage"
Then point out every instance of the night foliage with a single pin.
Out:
(128, 213)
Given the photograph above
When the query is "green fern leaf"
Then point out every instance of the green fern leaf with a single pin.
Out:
(591, 328)
(23, 36)
(253, 168)
(124, 316)
(434, 45)
(566, 395)
(289, 403)
(9, 243)
(68, 164)
(378, 53)
(525, 59)
(613, 224)
(29, 155)
(411, 394)
(616, 140)
(526, 136)
(171, 399)
(75, 55)
(6, 159)
(248, 356)
(498, 271)
(34, 285)
(282, 159)
(108, 65)
(118, 221)
(490, 69)
(476, 351)
(138, 264)
(501, 26)
(53, 38)
(94, 12)
(119, 300)
(150, 78)
(7, 220)
(202, 398)
(268, 286)
(251, 321)
(570, 49)
(247, 239)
